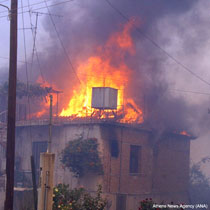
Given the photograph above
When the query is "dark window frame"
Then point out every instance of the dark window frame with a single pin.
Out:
(135, 158)
(114, 148)
(38, 147)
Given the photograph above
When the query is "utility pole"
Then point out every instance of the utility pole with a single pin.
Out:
(50, 126)
(47, 161)
(10, 151)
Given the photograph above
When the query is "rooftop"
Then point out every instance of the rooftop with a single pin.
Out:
(105, 122)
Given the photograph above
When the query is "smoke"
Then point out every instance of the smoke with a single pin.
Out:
(184, 37)
(177, 26)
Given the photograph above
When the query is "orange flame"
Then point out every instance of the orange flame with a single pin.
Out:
(45, 104)
(107, 69)
(185, 133)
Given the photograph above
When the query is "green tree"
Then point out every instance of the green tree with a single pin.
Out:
(82, 156)
(31, 90)
(77, 199)
(199, 188)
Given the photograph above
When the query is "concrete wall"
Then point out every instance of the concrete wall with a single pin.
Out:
(2, 198)
(164, 164)
(2, 174)
(171, 167)
(61, 135)
(117, 178)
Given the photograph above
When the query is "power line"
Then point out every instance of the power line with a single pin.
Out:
(189, 91)
(62, 44)
(43, 13)
(158, 46)
(29, 105)
(2, 5)
(101, 77)
(34, 37)
(34, 50)
(19, 61)
(52, 5)
(26, 65)
(27, 5)
(24, 43)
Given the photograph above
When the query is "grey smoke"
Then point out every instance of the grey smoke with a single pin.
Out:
(88, 23)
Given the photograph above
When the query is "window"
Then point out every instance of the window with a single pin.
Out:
(38, 148)
(114, 148)
(134, 158)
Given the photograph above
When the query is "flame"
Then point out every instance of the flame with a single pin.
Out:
(106, 69)
(185, 133)
(133, 113)
(45, 104)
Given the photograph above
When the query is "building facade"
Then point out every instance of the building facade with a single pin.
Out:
(137, 163)
(2, 164)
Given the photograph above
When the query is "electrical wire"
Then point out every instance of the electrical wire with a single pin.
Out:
(43, 13)
(26, 65)
(62, 44)
(34, 38)
(27, 79)
(19, 61)
(42, 2)
(40, 8)
(24, 43)
(189, 91)
(34, 50)
(158, 46)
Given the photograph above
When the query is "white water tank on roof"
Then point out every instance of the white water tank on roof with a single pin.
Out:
(104, 98)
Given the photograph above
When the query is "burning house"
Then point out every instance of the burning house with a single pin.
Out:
(138, 161)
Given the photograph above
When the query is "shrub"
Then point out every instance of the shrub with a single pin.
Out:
(146, 204)
(77, 199)
(82, 156)
(199, 187)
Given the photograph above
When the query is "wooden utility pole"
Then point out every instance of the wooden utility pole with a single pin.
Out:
(45, 200)
(33, 170)
(50, 126)
(10, 151)
(47, 162)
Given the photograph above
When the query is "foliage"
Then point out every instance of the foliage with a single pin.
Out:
(146, 204)
(32, 90)
(82, 157)
(77, 199)
(65, 199)
(199, 187)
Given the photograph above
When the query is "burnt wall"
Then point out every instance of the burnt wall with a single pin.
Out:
(171, 167)
(117, 176)
(163, 164)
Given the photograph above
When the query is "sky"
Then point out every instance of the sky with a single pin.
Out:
(26, 15)
(181, 29)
